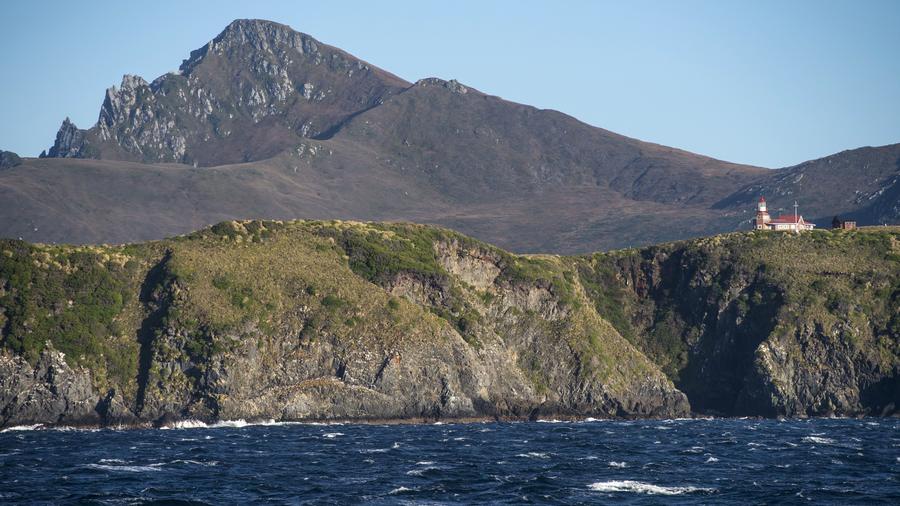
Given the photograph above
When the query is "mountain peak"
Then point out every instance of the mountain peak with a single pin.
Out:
(452, 85)
(260, 35)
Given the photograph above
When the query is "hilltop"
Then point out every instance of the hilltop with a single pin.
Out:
(267, 122)
(307, 320)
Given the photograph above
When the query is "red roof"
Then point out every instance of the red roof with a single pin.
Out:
(762, 199)
(788, 218)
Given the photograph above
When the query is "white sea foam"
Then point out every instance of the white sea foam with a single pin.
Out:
(644, 488)
(127, 469)
(424, 463)
(211, 463)
(17, 428)
(818, 440)
(399, 490)
(332, 435)
(533, 455)
(375, 450)
(711, 459)
(421, 471)
(619, 465)
(186, 424)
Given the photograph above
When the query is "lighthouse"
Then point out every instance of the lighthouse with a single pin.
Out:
(762, 215)
(786, 222)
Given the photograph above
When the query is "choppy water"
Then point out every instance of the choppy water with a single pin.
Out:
(640, 462)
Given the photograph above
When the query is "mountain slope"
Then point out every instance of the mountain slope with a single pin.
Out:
(292, 128)
(342, 320)
(860, 183)
(250, 93)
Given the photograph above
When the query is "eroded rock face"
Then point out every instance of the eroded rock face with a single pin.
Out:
(255, 90)
(8, 159)
(69, 142)
(348, 320)
(739, 340)
(50, 392)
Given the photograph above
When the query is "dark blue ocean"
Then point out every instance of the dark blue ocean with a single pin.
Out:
(824, 461)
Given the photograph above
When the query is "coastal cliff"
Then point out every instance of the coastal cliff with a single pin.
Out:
(343, 320)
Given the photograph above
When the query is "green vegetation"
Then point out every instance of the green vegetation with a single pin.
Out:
(238, 285)
(74, 298)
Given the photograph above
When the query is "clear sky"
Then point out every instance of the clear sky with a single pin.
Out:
(769, 83)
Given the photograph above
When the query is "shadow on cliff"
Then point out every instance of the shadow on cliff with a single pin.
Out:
(155, 300)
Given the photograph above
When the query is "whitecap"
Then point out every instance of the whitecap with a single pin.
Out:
(619, 465)
(332, 435)
(424, 463)
(644, 488)
(420, 472)
(112, 461)
(399, 490)
(211, 463)
(128, 469)
(818, 440)
(711, 459)
(230, 424)
(186, 424)
(17, 428)
(533, 455)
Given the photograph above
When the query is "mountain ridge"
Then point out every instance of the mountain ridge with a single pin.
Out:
(313, 132)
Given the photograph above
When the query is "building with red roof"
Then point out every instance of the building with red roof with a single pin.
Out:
(785, 222)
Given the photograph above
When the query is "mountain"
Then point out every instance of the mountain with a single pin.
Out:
(266, 122)
(333, 320)
(249, 94)
(859, 184)
(8, 159)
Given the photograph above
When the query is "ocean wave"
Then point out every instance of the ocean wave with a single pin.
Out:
(400, 490)
(332, 435)
(818, 440)
(533, 455)
(234, 424)
(711, 459)
(127, 469)
(18, 428)
(420, 472)
(644, 488)
(620, 465)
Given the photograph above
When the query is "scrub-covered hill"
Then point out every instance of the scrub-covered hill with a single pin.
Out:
(343, 320)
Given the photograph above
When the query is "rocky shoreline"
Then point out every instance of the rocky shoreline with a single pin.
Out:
(350, 321)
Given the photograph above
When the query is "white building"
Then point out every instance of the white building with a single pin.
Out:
(785, 222)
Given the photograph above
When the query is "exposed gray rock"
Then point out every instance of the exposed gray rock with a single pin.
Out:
(51, 392)
(9, 159)
(69, 142)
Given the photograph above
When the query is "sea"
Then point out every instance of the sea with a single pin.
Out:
(705, 461)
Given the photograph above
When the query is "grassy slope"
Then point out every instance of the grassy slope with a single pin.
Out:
(314, 278)
(699, 309)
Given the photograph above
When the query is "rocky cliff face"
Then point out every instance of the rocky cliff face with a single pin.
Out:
(771, 325)
(314, 320)
(255, 90)
(8, 159)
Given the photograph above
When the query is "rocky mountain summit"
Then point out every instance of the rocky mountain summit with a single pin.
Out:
(267, 122)
(8, 159)
(250, 93)
(361, 321)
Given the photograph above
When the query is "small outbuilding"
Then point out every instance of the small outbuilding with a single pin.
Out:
(838, 224)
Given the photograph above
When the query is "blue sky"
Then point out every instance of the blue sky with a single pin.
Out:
(769, 83)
